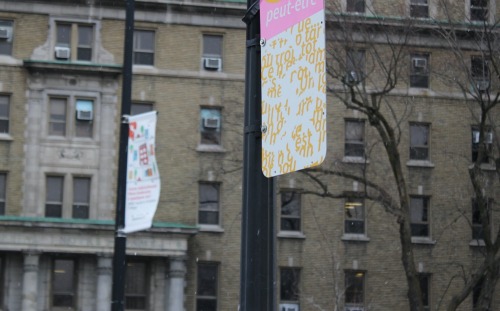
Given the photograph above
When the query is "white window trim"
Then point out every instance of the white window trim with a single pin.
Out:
(492, 7)
(432, 10)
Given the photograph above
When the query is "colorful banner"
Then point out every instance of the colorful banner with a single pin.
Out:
(293, 77)
(143, 178)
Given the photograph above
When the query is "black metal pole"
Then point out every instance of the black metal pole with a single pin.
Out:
(257, 282)
(119, 257)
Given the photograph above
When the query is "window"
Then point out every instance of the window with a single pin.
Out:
(136, 286)
(209, 204)
(138, 108)
(210, 126)
(3, 185)
(354, 289)
(477, 223)
(81, 125)
(144, 47)
(6, 35)
(419, 141)
(290, 210)
(81, 197)
(487, 143)
(2, 281)
(355, 6)
(480, 73)
(419, 8)
(354, 216)
(476, 292)
(206, 294)
(63, 283)
(4, 113)
(419, 216)
(54, 196)
(79, 48)
(289, 285)
(425, 286)
(479, 10)
(354, 138)
(355, 66)
(419, 73)
(212, 52)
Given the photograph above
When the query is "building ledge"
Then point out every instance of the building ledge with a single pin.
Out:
(420, 163)
(355, 238)
(291, 235)
(73, 67)
(477, 243)
(422, 240)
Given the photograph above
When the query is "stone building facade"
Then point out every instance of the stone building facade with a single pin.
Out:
(60, 79)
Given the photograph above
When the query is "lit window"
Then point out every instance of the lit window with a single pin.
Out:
(354, 216)
(144, 47)
(68, 49)
(6, 35)
(289, 285)
(206, 293)
(419, 141)
(4, 113)
(135, 286)
(354, 289)
(487, 144)
(57, 116)
(63, 283)
(419, 73)
(354, 138)
(54, 196)
(355, 66)
(212, 52)
(419, 8)
(3, 185)
(355, 6)
(208, 204)
(210, 126)
(138, 108)
(425, 286)
(479, 10)
(81, 197)
(419, 216)
(290, 211)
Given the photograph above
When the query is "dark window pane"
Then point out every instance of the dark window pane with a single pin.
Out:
(208, 218)
(57, 121)
(354, 287)
(479, 10)
(289, 284)
(354, 138)
(208, 203)
(354, 216)
(355, 6)
(206, 305)
(80, 211)
(6, 44)
(143, 58)
(419, 142)
(290, 224)
(63, 36)
(63, 283)
(207, 280)
(419, 11)
(144, 47)
(290, 211)
(135, 286)
(84, 54)
(419, 215)
(54, 188)
(4, 114)
(212, 46)
(53, 210)
(425, 288)
(138, 108)
(355, 227)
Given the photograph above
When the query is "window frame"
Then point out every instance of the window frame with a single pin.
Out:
(419, 78)
(355, 6)
(208, 135)
(416, 6)
(356, 145)
(294, 200)
(216, 209)
(81, 204)
(74, 284)
(73, 127)
(139, 50)
(67, 200)
(54, 203)
(135, 110)
(413, 153)
(488, 148)
(474, 17)
(425, 279)
(353, 200)
(353, 274)
(425, 223)
(3, 193)
(74, 40)
(141, 297)
(355, 66)
(212, 295)
(292, 278)
(476, 222)
(7, 44)
(208, 53)
(5, 119)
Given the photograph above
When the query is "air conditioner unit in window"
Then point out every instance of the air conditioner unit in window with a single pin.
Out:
(354, 309)
(419, 62)
(288, 307)
(62, 52)
(5, 33)
(211, 123)
(84, 115)
(212, 63)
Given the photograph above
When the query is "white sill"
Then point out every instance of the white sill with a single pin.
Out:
(291, 235)
(478, 243)
(357, 160)
(485, 166)
(420, 163)
(422, 240)
(6, 136)
(210, 148)
(355, 237)
(211, 228)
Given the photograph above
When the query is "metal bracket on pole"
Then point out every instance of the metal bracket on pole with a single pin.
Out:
(251, 12)
(125, 118)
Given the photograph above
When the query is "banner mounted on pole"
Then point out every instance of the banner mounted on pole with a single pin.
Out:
(293, 77)
(143, 178)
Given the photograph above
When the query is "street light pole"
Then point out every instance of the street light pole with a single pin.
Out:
(119, 256)
(257, 282)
